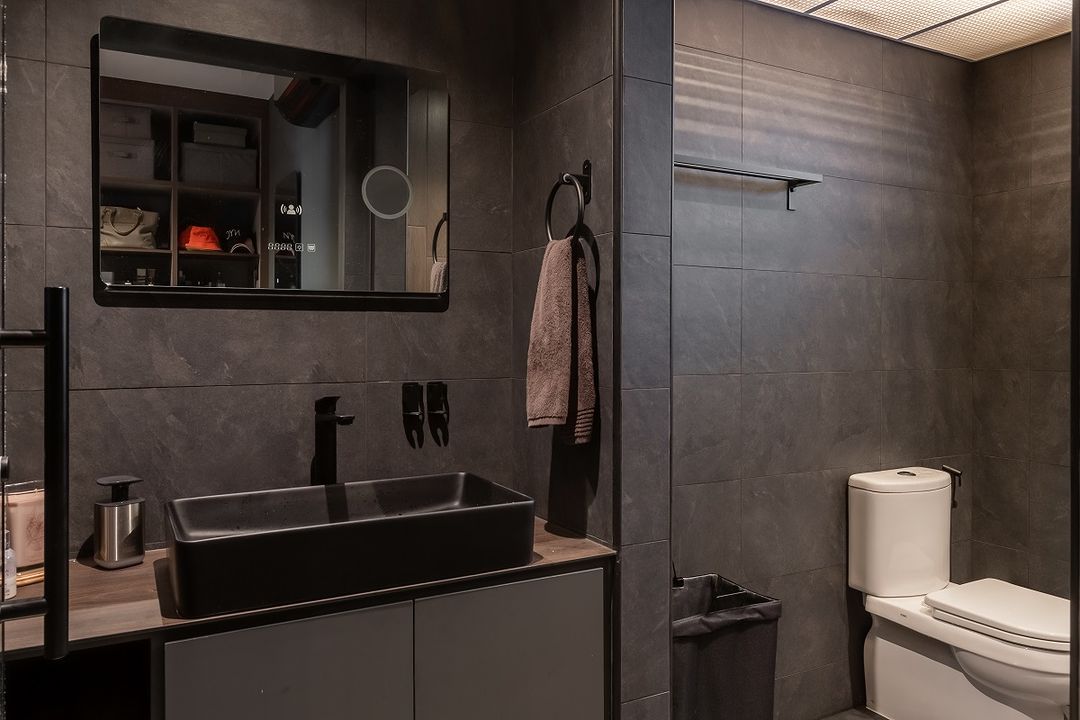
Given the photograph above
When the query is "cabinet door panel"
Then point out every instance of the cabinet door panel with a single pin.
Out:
(531, 650)
(350, 665)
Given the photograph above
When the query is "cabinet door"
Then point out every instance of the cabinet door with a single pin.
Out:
(531, 650)
(352, 665)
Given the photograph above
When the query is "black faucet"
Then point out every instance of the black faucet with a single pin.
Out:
(324, 464)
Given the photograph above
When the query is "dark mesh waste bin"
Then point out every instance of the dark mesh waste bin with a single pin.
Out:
(724, 650)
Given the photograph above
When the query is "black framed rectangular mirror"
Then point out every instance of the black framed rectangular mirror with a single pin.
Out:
(240, 174)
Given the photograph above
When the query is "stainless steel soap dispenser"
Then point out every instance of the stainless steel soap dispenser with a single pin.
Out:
(118, 525)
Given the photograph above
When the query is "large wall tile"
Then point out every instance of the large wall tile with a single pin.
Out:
(1000, 512)
(68, 147)
(25, 30)
(813, 629)
(1001, 399)
(646, 157)
(814, 694)
(24, 278)
(926, 75)
(1049, 324)
(1050, 137)
(470, 340)
(481, 187)
(801, 422)
(143, 347)
(555, 142)
(645, 465)
(926, 145)
(1050, 225)
(1048, 417)
(648, 37)
(1001, 317)
(569, 46)
(1048, 575)
(1002, 144)
(926, 324)
(927, 235)
(645, 332)
(795, 322)
(445, 37)
(705, 320)
(24, 143)
(801, 122)
(1051, 64)
(927, 414)
(1003, 247)
(706, 431)
(994, 561)
(793, 523)
(1005, 76)
(838, 227)
(480, 431)
(706, 220)
(705, 527)
(714, 25)
(645, 620)
(774, 37)
(708, 105)
(1048, 505)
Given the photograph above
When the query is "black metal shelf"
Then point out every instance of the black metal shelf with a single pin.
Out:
(794, 179)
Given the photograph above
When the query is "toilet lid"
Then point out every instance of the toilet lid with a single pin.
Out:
(1005, 611)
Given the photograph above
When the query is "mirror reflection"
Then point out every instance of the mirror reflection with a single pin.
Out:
(326, 174)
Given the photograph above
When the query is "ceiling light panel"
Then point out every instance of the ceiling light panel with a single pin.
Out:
(797, 5)
(896, 18)
(969, 29)
(999, 29)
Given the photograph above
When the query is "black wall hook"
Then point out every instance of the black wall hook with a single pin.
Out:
(438, 412)
(412, 413)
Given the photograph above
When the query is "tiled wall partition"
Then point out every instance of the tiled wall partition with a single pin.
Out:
(809, 345)
(205, 401)
(1020, 525)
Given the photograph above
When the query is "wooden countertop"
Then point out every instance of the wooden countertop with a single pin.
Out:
(105, 604)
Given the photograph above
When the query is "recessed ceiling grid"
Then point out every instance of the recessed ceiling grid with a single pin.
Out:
(969, 29)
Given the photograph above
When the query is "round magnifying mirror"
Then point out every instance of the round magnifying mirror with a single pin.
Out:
(387, 192)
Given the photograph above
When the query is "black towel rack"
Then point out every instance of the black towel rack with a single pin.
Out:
(435, 238)
(583, 185)
(53, 338)
(794, 179)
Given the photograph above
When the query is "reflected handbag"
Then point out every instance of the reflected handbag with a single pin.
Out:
(128, 227)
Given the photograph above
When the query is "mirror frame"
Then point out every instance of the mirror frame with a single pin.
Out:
(194, 46)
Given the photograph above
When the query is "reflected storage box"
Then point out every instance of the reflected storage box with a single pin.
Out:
(216, 165)
(127, 158)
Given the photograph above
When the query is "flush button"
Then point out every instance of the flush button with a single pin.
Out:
(906, 473)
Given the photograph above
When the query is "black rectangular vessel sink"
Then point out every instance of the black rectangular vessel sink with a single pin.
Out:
(246, 551)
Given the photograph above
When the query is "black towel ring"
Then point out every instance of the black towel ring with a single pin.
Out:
(583, 185)
(435, 238)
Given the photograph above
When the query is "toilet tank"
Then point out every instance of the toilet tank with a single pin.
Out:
(898, 531)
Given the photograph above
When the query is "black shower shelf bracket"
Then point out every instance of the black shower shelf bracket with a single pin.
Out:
(793, 178)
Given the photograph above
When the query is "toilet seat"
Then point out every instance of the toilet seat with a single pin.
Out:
(1005, 611)
(915, 614)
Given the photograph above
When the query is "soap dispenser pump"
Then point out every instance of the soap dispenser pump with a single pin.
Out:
(118, 525)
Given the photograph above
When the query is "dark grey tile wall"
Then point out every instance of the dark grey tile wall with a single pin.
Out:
(810, 345)
(214, 401)
(1021, 320)
(644, 253)
(563, 115)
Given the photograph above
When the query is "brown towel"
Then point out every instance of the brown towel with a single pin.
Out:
(560, 383)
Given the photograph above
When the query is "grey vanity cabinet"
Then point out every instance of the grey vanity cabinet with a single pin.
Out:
(531, 650)
(352, 665)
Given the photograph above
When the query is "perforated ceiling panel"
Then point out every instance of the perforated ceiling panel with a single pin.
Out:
(969, 29)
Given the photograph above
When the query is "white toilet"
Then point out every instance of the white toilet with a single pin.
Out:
(984, 650)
